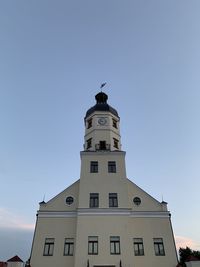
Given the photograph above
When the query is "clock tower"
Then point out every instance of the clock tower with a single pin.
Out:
(102, 126)
(103, 219)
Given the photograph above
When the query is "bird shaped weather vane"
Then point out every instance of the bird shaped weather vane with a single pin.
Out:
(102, 85)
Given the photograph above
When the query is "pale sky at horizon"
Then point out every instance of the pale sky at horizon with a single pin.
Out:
(53, 57)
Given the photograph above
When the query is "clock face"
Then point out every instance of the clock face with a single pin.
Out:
(102, 121)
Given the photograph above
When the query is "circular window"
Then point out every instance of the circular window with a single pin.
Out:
(69, 200)
(137, 201)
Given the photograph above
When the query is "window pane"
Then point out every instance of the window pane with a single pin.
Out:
(112, 166)
(94, 200)
(92, 245)
(159, 247)
(114, 245)
(94, 166)
(48, 247)
(138, 246)
(69, 247)
(113, 202)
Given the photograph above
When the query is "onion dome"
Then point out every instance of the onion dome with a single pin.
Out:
(101, 105)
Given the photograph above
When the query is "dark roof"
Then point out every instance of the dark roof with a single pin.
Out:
(192, 258)
(101, 105)
(15, 259)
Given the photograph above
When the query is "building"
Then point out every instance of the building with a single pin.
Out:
(103, 219)
(13, 262)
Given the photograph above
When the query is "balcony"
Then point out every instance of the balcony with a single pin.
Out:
(102, 146)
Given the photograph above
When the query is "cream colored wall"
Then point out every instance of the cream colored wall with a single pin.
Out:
(103, 182)
(148, 203)
(102, 132)
(127, 229)
(58, 228)
(58, 203)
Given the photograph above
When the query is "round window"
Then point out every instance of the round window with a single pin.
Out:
(137, 201)
(69, 200)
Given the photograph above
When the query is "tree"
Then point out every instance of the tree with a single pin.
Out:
(187, 253)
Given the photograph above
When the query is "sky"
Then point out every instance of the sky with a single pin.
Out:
(53, 57)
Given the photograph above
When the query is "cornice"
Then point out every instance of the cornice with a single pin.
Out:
(103, 212)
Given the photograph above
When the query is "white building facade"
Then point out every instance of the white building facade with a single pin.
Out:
(103, 219)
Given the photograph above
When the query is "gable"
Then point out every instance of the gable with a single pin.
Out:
(58, 203)
(148, 203)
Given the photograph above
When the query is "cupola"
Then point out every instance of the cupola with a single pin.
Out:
(102, 126)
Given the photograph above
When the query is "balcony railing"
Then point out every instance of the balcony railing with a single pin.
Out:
(102, 147)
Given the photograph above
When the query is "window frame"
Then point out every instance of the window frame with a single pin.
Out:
(89, 123)
(115, 245)
(138, 246)
(159, 247)
(69, 247)
(94, 200)
(49, 246)
(112, 167)
(114, 123)
(116, 143)
(94, 166)
(113, 200)
(93, 245)
(89, 143)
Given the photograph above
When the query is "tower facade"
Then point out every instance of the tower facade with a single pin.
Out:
(103, 219)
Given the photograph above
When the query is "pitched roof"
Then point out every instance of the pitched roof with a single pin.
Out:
(15, 259)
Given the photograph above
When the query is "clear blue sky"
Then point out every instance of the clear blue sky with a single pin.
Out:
(53, 57)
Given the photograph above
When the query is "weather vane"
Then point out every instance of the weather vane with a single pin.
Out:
(102, 85)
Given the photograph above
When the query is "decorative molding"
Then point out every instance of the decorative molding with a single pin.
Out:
(104, 212)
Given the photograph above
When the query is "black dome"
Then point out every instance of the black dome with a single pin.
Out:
(101, 105)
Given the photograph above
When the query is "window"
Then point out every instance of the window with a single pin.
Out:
(89, 123)
(111, 166)
(94, 200)
(159, 247)
(89, 143)
(102, 145)
(93, 245)
(69, 247)
(94, 166)
(137, 201)
(114, 123)
(116, 143)
(48, 247)
(138, 246)
(69, 200)
(114, 245)
(113, 202)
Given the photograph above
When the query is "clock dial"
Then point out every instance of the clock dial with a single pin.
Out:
(102, 121)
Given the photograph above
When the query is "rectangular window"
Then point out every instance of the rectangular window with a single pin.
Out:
(116, 143)
(94, 200)
(111, 166)
(69, 247)
(93, 245)
(114, 123)
(102, 145)
(113, 201)
(94, 166)
(159, 247)
(138, 246)
(89, 143)
(114, 245)
(48, 247)
(89, 123)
